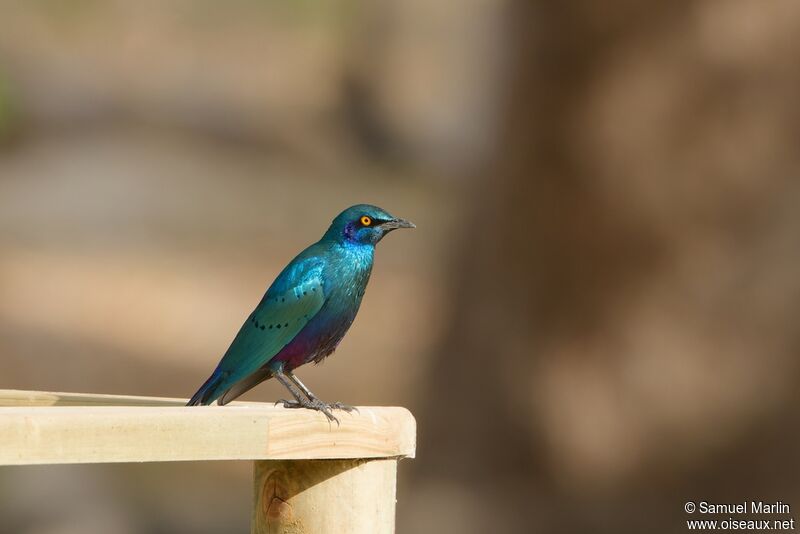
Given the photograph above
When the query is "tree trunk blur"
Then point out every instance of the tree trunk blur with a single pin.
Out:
(624, 337)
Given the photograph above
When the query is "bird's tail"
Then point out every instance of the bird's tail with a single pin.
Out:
(209, 391)
(245, 385)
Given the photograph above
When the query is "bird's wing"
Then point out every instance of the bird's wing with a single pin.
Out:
(292, 301)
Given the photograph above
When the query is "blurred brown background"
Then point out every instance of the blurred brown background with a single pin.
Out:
(593, 323)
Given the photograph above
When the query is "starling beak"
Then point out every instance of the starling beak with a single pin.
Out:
(397, 223)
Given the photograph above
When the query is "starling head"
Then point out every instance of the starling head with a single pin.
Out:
(364, 224)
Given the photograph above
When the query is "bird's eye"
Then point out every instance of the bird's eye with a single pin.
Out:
(366, 221)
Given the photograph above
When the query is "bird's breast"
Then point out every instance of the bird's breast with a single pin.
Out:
(345, 277)
(346, 283)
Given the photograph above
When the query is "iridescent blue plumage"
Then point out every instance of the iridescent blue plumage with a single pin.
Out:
(305, 313)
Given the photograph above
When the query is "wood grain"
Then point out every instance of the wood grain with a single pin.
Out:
(324, 496)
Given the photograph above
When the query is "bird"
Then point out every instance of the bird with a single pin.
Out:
(304, 314)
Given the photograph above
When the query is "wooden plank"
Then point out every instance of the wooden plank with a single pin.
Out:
(323, 496)
(82, 429)
(20, 397)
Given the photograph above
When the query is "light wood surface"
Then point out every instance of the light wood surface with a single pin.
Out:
(324, 496)
(20, 397)
(57, 428)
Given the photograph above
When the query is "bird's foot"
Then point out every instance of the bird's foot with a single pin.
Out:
(326, 408)
(313, 404)
(291, 403)
(344, 407)
(316, 404)
(336, 405)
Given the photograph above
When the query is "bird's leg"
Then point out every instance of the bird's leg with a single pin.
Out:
(313, 398)
(296, 381)
(300, 401)
(312, 403)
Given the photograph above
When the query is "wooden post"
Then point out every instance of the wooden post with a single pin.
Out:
(324, 496)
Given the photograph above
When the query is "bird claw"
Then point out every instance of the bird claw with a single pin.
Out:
(290, 403)
(344, 407)
(315, 404)
(331, 418)
(326, 409)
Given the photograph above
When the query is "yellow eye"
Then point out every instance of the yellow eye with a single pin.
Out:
(366, 221)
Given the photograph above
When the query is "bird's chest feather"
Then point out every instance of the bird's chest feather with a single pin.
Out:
(346, 275)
